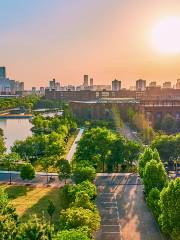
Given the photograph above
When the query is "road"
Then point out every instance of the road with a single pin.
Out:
(127, 132)
(124, 213)
(74, 145)
(41, 177)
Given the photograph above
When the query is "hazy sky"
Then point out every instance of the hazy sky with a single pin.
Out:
(65, 39)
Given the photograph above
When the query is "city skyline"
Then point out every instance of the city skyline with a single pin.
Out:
(105, 39)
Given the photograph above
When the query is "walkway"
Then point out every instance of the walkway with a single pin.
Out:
(123, 210)
(74, 146)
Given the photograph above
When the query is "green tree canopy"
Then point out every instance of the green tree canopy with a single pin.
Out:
(154, 176)
(153, 201)
(64, 169)
(79, 217)
(170, 209)
(27, 172)
(73, 234)
(81, 174)
(35, 229)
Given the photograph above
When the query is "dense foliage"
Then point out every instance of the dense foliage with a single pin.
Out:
(168, 146)
(73, 234)
(26, 102)
(170, 209)
(27, 171)
(103, 148)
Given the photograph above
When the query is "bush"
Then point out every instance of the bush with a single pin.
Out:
(81, 174)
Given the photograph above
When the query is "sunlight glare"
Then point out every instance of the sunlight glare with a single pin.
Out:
(166, 36)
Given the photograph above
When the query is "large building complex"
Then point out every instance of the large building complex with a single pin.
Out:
(8, 86)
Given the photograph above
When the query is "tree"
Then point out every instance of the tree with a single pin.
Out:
(2, 144)
(51, 209)
(146, 157)
(95, 142)
(8, 227)
(10, 161)
(154, 176)
(73, 234)
(83, 200)
(170, 209)
(118, 154)
(81, 174)
(132, 151)
(45, 163)
(64, 169)
(5, 207)
(79, 217)
(153, 201)
(35, 229)
(27, 172)
(169, 124)
(167, 146)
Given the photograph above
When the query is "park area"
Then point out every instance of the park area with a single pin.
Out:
(34, 200)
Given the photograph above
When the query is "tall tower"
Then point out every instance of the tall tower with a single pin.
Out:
(2, 72)
(91, 82)
(116, 85)
(85, 84)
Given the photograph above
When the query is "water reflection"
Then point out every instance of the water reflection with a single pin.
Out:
(15, 129)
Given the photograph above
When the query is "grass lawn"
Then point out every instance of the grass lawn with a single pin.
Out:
(29, 200)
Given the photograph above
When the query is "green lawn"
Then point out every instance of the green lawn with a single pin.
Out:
(30, 200)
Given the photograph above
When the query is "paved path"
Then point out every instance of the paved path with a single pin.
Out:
(41, 177)
(74, 146)
(124, 213)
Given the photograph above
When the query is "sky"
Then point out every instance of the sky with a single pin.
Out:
(106, 39)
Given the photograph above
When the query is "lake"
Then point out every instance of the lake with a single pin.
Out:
(15, 129)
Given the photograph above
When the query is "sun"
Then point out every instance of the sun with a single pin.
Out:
(166, 35)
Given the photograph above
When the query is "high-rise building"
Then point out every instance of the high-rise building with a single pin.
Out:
(53, 85)
(91, 82)
(85, 84)
(140, 85)
(8, 86)
(116, 85)
(2, 72)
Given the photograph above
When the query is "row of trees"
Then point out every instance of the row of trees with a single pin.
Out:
(104, 149)
(163, 197)
(26, 102)
(78, 220)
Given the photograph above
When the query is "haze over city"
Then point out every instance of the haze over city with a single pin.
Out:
(127, 40)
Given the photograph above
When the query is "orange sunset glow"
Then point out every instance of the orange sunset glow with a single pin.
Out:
(106, 39)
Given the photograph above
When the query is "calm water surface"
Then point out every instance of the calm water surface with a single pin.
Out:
(15, 129)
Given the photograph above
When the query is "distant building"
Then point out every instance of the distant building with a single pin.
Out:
(2, 72)
(167, 85)
(116, 85)
(140, 85)
(8, 86)
(85, 84)
(33, 89)
(91, 82)
(178, 84)
(152, 84)
(53, 85)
